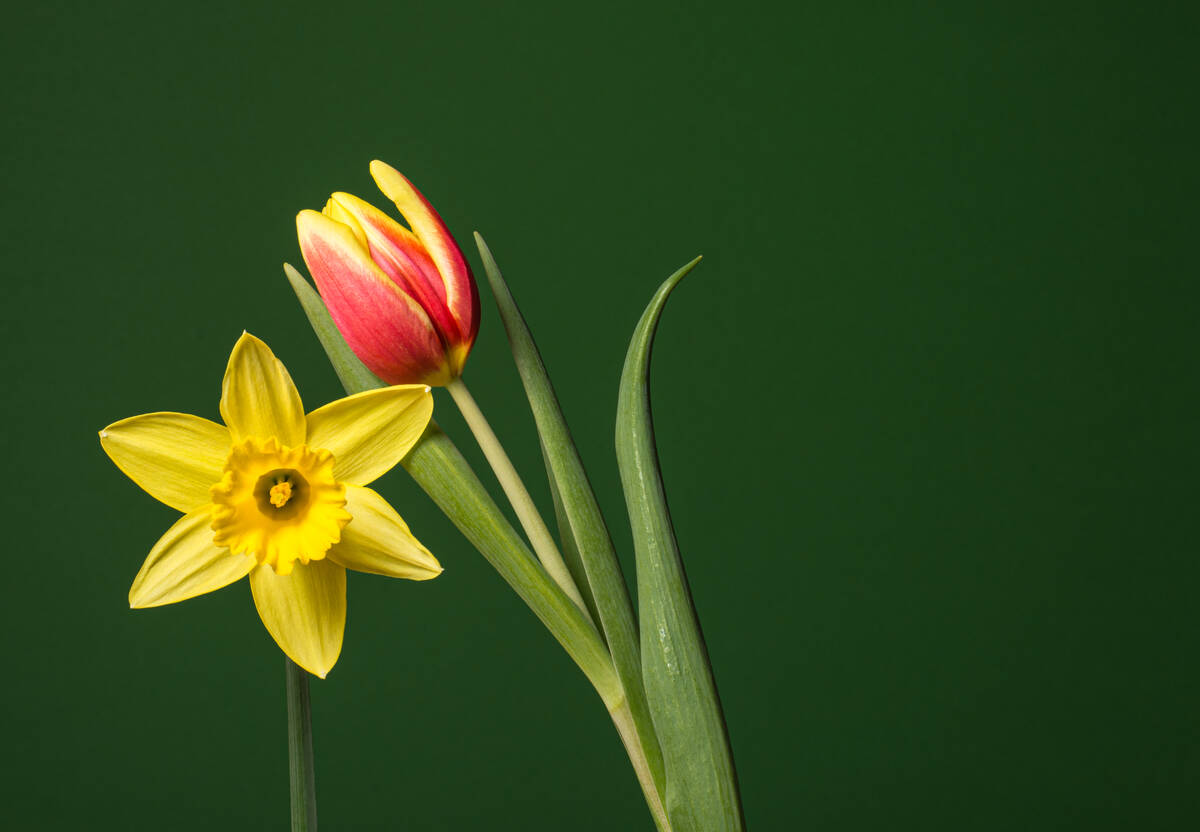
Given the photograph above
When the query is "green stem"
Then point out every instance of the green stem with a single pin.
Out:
(622, 717)
(300, 750)
(539, 536)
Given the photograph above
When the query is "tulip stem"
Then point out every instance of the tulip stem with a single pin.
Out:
(623, 719)
(300, 750)
(539, 536)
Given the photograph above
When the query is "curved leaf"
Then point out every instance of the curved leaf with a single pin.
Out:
(701, 789)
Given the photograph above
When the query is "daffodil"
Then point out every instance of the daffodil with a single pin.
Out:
(277, 495)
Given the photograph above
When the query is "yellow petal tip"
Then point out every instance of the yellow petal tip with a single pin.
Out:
(431, 572)
(307, 214)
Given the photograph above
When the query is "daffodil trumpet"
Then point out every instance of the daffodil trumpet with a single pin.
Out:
(278, 495)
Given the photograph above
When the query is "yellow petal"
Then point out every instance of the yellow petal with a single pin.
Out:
(175, 457)
(184, 563)
(336, 212)
(370, 432)
(304, 611)
(378, 541)
(258, 397)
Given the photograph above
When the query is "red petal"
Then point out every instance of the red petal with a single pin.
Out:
(404, 259)
(387, 329)
(462, 297)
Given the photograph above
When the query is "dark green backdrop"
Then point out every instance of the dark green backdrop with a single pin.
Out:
(926, 411)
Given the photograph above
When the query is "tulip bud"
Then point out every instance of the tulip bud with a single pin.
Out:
(404, 300)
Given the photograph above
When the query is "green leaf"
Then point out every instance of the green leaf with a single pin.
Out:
(436, 465)
(585, 536)
(570, 551)
(702, 790)
(353, 374)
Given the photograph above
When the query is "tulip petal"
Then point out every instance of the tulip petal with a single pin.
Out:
(350, 370)
(378, 541)
(174, 457)
(399, 253)
(304, 611)
(336, 212)
(462, 297)
(184, 563)
(370, 432)
(387, 329)
(258, 397)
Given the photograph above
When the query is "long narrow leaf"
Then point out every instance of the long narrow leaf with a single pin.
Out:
(586, 534)
(570, 550)
(436, 465)
(701, 789)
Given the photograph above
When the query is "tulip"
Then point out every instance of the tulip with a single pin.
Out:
(404, 300)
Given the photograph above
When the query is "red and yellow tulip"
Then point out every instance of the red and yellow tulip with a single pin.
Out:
(404, 300)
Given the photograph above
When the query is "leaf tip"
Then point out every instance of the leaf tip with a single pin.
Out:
(485, 251)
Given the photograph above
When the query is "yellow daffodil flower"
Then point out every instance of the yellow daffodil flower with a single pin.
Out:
(277, 495)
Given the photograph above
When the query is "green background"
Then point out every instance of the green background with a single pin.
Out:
(926, 412)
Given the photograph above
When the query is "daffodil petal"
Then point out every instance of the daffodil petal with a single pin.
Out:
(370, 432)
(174, 457)
(258, 397)
(184, 563)
(304, 611)
(377, 540)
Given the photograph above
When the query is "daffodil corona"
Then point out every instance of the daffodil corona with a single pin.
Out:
(277, 495)
(280, 504)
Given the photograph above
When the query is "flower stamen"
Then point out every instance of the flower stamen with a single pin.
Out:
(281, 492)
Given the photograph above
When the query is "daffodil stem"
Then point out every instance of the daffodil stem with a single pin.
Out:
(300, 750)
(527, 513)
